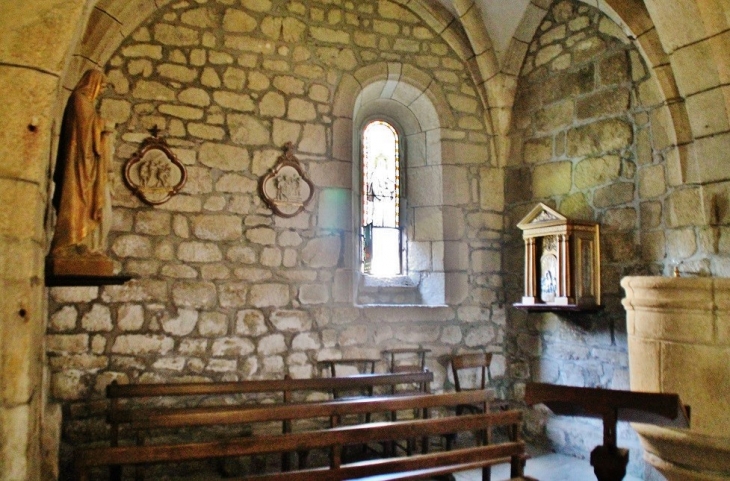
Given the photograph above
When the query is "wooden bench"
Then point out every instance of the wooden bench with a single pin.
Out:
(284, 389)
(127, 405)
(332, 439)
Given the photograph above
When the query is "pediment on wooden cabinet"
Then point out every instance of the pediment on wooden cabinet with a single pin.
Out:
(541, 214)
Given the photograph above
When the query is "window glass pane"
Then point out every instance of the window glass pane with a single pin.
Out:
(381, 200)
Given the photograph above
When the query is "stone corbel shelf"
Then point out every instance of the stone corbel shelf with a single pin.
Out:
(69, 281)
(556, 308)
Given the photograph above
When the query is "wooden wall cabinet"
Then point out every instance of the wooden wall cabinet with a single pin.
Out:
(562, 262)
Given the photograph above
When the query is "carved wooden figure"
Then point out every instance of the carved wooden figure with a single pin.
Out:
(81, 199)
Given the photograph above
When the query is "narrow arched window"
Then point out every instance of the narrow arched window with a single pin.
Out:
(381, 223)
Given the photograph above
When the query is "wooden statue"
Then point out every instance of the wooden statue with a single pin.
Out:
(81, 199)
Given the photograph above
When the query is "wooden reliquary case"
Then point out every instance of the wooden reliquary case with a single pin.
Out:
(562, 262)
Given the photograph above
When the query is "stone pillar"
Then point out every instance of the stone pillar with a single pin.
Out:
(36, 41)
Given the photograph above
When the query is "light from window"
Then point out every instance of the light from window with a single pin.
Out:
(381, 236)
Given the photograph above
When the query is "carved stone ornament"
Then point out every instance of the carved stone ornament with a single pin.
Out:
(286, 189)
(154, 173)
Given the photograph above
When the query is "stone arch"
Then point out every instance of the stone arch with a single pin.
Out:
(109, 23)
(406, 95)
(635, 21)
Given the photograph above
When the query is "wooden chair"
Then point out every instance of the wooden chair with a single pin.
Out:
(407, 360)
(479, 361)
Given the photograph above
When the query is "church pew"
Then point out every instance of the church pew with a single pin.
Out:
(129, 403)
(333, 439)
(282, 388)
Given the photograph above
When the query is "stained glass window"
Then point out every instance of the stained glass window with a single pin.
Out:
(381, 236)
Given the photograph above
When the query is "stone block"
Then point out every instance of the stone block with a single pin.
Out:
(706, 159)
(271, 344)
(614, 194)
(314, 139)
(213, 324)
(206, 132)
(224, 157)
(150, 90)
(428, 224)
(248, 130)
(620, 219)
(306, 341)
(67, 343)
(597, 171)
(430, 182)
(179, 271)
(568, 84)
(695, 69)
(136, 290)
(269, 295)
(300, 110)
(311, 294)
(181, 325)
(456, 289)
(604, 103)
(708, 112)
(234, 101)
(232, 347)
(322, 252)
(653, 246)
(197, 294)
(455, 183)
(652, 181)
(199, 252)
(232, 294)
(538, 150)
(64, 319)
(97, 319)
(251, 323)
(555, 117)
(69, 295)
(530, 22)
(599, 137)
(142, 344)
(68, 385)
(576, 206)
(681, 243)
(551, 179)
(217, 227)
(151, 222)
(480, 336)
(177, 36)
(686, 208)
(130, 317)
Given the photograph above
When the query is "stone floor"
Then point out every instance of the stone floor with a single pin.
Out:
(544, 467)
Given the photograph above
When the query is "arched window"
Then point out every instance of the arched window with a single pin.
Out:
(380, 230)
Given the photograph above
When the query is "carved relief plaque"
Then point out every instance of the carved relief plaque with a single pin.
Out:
(286, 189)
(154, 173)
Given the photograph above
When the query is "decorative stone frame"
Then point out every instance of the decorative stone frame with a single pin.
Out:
(143, 170)
(286, 189)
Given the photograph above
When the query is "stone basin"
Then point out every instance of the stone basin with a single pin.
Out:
(679, 342)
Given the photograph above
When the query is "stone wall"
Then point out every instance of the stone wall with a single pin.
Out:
(585, 144)
(225, 290)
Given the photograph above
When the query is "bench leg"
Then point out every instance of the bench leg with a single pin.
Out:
(517, 466)
(115, 473)
(303, 456)
(486, 473)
